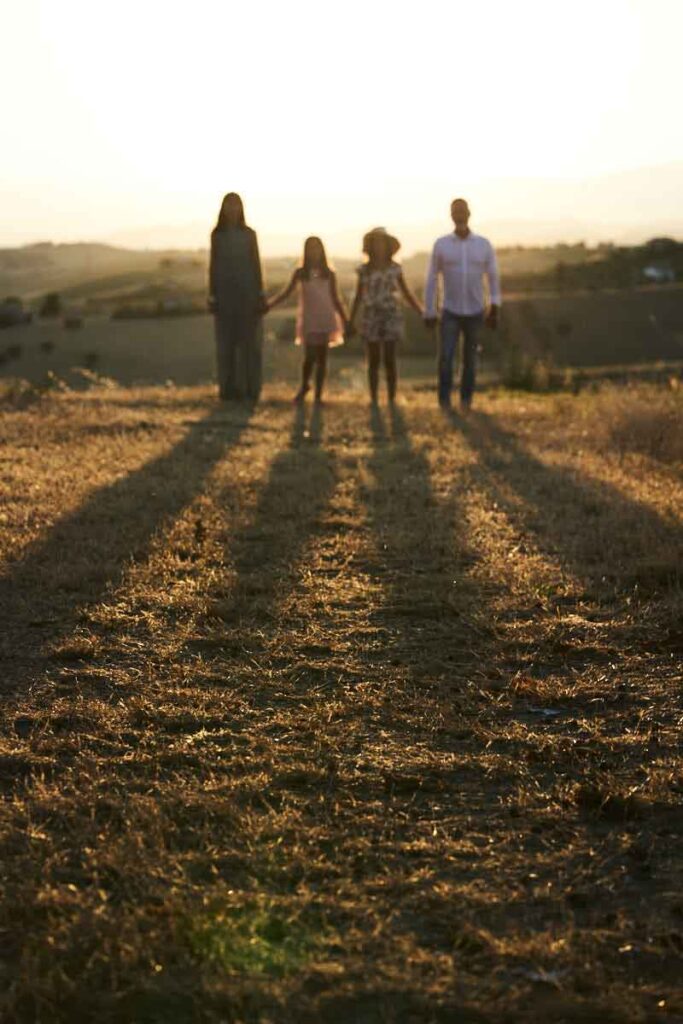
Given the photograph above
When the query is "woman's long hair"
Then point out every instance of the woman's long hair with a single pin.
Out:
(325, 269)
(222, 222)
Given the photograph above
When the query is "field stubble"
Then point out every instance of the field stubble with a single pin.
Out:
(340, 714)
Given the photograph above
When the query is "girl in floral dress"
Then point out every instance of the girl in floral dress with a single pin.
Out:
(380, 287)
(321, 317)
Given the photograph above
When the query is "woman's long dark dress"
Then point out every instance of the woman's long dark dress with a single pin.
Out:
(236, 287)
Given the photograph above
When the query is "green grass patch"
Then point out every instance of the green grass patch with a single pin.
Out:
(257, 938)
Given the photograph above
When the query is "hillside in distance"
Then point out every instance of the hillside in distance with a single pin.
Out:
(103, 275)
(31, 270)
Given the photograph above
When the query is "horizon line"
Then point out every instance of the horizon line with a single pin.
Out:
(102, 243)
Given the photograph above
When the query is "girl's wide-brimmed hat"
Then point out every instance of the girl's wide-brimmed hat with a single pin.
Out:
(392, 242)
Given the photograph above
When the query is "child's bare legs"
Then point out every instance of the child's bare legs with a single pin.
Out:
(320, 370)
(374, 352)
(390, 368)
(378, 351)
(307, 370)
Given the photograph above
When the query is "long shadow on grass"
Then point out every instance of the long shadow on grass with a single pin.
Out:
(267, 553)
(86, 552)
(614, 543)
(421, 549)
(586, 523)
(432, 609)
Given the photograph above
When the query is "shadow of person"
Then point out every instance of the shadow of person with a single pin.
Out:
(266, 555)
(299, 425)
(316, 423)
(377, 426)
(422, 558)
(307, 426)
(599, 533)
(44, 593)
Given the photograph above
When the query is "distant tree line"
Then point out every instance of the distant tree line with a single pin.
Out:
(607, 266)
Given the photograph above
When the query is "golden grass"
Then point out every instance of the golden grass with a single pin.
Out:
(339, 715)
(647, 421)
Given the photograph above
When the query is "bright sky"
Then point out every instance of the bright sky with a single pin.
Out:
(324, 116)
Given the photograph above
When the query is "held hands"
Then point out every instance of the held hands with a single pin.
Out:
(430, 321)
(491, 319)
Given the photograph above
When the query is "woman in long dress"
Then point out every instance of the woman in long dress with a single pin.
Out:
(237, 301)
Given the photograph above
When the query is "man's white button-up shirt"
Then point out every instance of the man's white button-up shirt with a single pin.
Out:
(462, 264)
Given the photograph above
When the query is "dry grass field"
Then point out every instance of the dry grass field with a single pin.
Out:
(341, 714)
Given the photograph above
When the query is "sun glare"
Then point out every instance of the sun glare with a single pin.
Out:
(322, 120)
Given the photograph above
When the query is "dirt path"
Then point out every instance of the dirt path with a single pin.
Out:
(349, 715)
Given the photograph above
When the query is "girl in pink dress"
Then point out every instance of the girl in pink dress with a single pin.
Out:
(321, 317)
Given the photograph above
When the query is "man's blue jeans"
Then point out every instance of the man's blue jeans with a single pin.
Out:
(452, 325)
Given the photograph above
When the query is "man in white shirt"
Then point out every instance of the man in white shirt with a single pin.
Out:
(462, 259)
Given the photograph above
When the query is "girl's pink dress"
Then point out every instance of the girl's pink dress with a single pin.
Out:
(317, 322)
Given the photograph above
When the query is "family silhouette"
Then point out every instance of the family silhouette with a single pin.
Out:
(459, 263)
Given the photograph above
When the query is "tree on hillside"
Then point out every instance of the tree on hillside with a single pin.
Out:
(51, 306)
